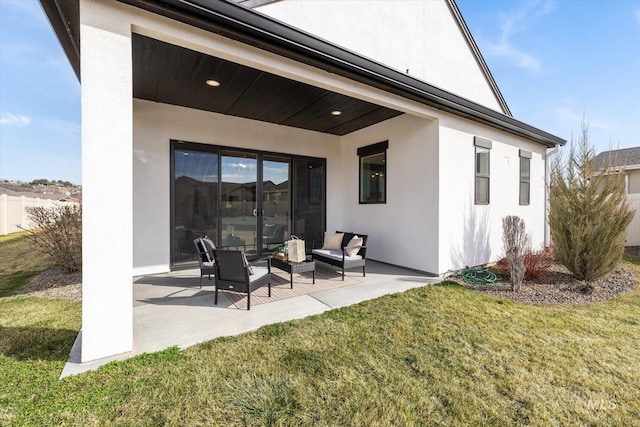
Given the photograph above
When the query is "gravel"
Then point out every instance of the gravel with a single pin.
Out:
(557, 286)
(55, 284)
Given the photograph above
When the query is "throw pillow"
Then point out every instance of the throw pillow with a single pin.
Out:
(332, 241)
(354, 245)
(209, 246)
(204, 255)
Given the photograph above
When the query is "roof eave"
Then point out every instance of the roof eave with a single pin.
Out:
(247, 26)
(478, 56)
(64, 17)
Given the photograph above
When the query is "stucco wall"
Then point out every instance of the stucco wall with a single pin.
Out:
(156, 124)
(404, 231)
(472, 234)
(420, 36)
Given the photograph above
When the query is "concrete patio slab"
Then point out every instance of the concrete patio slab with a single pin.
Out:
(171, 309)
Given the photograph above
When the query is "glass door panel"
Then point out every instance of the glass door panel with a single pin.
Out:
(309, 199)
(276, 202)
(238, 210)
(195, 201)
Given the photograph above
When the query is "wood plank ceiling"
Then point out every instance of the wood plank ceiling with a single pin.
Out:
(171, 74)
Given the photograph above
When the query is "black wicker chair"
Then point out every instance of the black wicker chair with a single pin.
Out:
(204, 249)
(234, 273)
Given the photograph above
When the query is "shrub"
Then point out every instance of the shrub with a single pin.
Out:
(588, 212)
(58, 233)
(535, 263)
(514, 238)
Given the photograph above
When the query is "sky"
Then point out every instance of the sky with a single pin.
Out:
(555, 62)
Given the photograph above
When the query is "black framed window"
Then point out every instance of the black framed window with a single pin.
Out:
(373, 173)
(482, 170)
(525, 177)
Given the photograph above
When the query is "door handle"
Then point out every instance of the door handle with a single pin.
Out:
(255, 212)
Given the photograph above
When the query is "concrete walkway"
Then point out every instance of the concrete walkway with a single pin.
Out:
(171, 309)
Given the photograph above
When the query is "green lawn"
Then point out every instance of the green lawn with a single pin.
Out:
(435, 355)
(19, 262)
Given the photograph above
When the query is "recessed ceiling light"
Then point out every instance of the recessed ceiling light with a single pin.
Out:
(336, 113)
(213, 83)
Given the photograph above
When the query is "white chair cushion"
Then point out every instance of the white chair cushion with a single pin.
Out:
(258, 272)
(337, 255)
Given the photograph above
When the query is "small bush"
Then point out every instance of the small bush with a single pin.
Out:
(58, 233)
(535, 263)
(514, 239)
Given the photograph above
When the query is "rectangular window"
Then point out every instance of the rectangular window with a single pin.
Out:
(525, 177)
(482, 171)
(373, 173)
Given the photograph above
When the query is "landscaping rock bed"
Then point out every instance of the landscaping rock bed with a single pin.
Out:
(557, 286)
(55, 284)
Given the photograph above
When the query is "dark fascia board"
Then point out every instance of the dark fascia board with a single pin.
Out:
(237, 22)
(64, 17)
(462, 24)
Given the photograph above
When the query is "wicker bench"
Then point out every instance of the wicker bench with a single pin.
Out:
(340, 258)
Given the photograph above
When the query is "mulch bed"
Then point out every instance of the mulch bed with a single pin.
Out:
(557, 286)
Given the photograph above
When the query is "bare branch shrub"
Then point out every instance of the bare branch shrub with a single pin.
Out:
(588, 211)
(515, 240)
(58, 233)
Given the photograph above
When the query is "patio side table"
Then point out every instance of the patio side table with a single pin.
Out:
(295, 267)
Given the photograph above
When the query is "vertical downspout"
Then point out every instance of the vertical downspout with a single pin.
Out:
(547, 178)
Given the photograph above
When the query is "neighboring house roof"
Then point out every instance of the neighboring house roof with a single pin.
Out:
(237, 22)
(626, 157)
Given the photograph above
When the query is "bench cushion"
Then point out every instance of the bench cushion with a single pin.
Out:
(332, 254)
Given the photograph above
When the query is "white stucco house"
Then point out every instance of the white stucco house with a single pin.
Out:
(238, 119)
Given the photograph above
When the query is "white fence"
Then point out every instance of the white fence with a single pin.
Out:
(13, 211)
(633, 232)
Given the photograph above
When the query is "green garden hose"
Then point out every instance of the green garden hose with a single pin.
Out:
(477, 276)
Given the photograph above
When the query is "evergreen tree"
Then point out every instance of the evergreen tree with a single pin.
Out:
(588, 211)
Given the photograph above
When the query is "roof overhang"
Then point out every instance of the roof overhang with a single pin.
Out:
(239, 23)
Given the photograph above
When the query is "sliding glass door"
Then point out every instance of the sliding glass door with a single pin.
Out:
(238, 216)
(275, 211)
(195, 200)
(243, 199)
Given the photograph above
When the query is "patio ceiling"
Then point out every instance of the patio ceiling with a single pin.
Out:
(171, 74)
